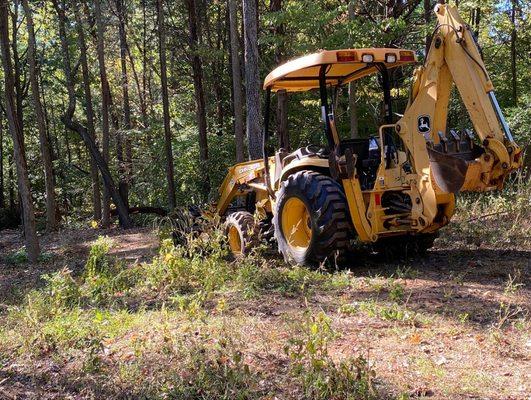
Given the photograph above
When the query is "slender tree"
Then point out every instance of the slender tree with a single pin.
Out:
(282, 95)
(139, 89)
(214, 42)
(30, 233)
(18, 70)
(170, 174)
(125, 167)
(2, 187)
(197, 72)
(144, 58)
(352, 105)
(427, 19)
(476, 20)
(236, 81)
(51, 206)
(89, 111)
(70, 123)
(10, 183)
(514, 82)
(105, 104)
(252, 79)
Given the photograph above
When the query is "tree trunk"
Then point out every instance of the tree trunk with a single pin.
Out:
(282, 120)
(218, 62)
(89, 110)
(236, 81)
(352, 105)
(19, 91)
(2, 196)
(197, 72)
(140, 91)
(170, 174)
(282, 96)
(218, 83)
(252, 79)
(144, 58)
(11, 183)
(514, 83)
(427, 18)
(30, 234)
(51, 206)
(477, 20)
(125, 168)
(83, 132)
(105, 105)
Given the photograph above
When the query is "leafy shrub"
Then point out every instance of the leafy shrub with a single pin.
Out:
(17, 257)
(320, 375)
(218, 369)
(62, 290)
(174, 272)
(21, 257)
(396, 291)
(105, 277)
(98, 261)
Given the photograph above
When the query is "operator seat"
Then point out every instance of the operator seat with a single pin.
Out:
(283, 157)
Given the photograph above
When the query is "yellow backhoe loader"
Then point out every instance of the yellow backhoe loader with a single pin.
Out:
(396, 187)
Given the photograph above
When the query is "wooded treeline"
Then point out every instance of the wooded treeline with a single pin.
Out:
(145, 103)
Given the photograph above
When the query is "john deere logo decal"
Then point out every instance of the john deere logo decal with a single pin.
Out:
(424, 124)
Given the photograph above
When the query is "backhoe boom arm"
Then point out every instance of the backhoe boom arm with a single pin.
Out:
(454, 58)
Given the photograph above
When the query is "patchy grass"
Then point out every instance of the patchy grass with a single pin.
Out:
(114, 322)
(191, 323)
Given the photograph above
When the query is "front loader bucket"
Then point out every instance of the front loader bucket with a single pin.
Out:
(448, 170)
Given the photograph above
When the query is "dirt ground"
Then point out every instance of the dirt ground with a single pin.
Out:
(68, 247)
(469, 292)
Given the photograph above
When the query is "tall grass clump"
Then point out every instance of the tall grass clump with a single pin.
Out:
(495, 218)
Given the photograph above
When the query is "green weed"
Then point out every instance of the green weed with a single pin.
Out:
(21, 257)
(396, 291)
(513, 284)
(392, 312)
(406, 272)
(62, 290)
(322, 377)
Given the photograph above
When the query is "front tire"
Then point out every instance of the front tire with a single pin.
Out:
(311, 219)
(241, 232)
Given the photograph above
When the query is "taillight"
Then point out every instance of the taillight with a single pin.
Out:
(345, 56)
(407, 56)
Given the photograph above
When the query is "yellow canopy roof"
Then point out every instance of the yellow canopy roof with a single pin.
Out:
(344, 66)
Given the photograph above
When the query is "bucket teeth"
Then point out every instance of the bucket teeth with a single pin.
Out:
(454, 141)
(468, 136)
(443, 141)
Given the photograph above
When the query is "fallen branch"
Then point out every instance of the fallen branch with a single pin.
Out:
(143, 210)
(488, 215)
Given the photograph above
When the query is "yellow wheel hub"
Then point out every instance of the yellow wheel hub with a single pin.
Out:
(235, 241)
(296, 224)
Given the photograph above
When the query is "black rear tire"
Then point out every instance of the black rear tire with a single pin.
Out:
(328, 219)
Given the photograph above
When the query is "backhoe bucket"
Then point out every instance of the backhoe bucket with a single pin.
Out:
(448, 170)
(452, 157)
